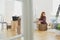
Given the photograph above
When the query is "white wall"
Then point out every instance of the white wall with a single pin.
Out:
(9, 10)
(17, 8)
(2, 7)
(42, 5)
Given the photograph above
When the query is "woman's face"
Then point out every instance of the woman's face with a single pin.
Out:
(43, 14)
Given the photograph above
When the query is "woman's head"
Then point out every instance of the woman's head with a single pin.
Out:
(42, 14)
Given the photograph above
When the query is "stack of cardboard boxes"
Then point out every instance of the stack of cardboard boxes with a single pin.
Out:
(16, 25)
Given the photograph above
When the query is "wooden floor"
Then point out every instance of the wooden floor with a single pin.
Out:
(46, 35)
(38, 35)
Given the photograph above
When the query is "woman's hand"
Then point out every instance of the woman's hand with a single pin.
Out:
(41, 21)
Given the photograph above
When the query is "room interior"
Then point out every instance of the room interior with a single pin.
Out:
(11, 23)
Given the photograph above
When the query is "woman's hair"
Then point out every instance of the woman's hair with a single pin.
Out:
(42, 14)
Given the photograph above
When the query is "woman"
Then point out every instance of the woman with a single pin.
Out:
(43, 23)
(42, 18)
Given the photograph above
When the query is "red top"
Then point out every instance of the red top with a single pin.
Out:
(43, 20)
